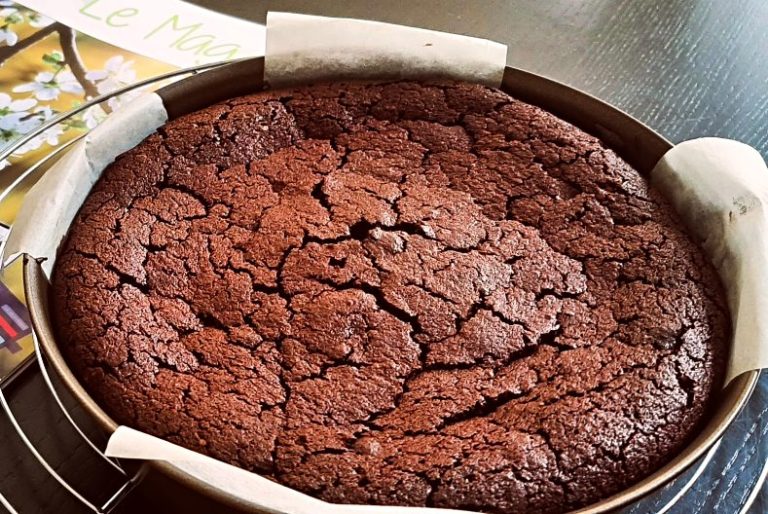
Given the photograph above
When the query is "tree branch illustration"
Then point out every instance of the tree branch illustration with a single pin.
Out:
(7, 52)
(67, 37)
(68, 41)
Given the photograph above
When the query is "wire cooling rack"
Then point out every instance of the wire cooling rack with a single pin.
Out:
(728, 478)
(129, 480)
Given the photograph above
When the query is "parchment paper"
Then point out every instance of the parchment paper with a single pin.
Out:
(52, 203)
(129, 443)
(719, 187)
(303, 48)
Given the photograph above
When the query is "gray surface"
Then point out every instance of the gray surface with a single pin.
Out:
(687, 68)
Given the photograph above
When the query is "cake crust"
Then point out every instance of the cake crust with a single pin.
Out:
(402, 293)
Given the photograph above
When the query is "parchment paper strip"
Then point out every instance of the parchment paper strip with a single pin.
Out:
(719, 187)
(129, 443)
(51, 205)
(303, 48)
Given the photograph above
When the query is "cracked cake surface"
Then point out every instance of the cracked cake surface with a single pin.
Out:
(399, 293)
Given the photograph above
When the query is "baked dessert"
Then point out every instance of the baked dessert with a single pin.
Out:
(399, 293)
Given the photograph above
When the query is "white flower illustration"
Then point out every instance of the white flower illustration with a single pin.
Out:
(48, 86)
(93, 116)
(8, 36)
(44, 112)
(14, 118)
(118, 101)
(50, 136)
(19, 117)
(117, 73)
(16, 123)
(30, 146)
(7, 104)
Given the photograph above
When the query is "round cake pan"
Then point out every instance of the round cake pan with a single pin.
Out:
(640, 146)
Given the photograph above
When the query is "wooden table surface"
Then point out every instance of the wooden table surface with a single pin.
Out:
(687, 68)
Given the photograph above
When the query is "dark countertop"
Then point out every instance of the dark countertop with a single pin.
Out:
(687, 68)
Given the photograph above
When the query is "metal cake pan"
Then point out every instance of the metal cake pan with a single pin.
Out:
(640, 146)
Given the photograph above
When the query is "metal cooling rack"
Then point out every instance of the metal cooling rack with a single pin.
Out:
(727, 478)
(129, 480)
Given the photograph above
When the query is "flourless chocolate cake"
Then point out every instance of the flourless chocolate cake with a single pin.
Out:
(425, 294)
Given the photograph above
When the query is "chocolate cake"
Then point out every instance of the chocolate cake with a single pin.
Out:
(425, 294)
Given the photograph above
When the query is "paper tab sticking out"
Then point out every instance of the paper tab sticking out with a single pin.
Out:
(719, 188)
(269, 496)
(303, 49)
(128, 443)
(51, 205)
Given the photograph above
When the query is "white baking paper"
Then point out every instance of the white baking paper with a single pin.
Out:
(303, 49)
(271, 496)
(52, 203)
(719, 187)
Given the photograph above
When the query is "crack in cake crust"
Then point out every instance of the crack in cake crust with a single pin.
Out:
(403, 293)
